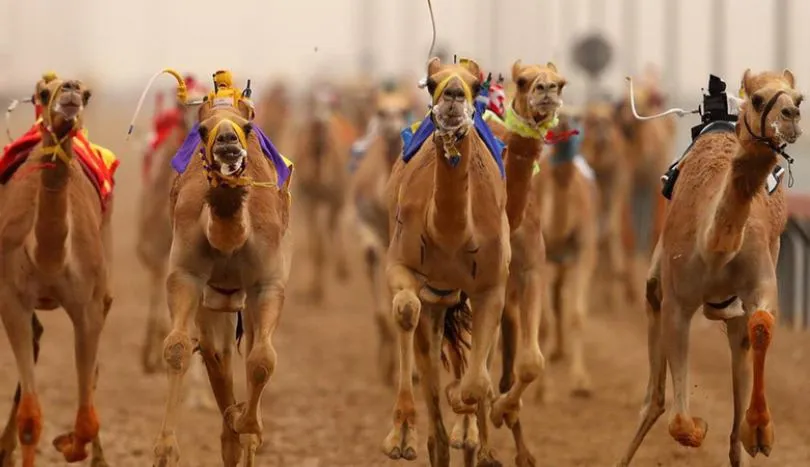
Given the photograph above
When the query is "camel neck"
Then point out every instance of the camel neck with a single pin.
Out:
(750, 168)
(228, 226)
(449, 220)
(521, 155)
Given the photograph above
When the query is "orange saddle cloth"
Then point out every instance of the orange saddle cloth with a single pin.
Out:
(98, 163)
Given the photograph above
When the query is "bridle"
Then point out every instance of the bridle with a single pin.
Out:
(762, 139)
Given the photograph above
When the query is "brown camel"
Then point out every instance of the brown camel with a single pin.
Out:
(718, 252)
(532, 112)
(56, 252)
(603, 148)
(273, 112)
(155, 237)
(231, 252)
(366, 212)
(323, 145)
(449, 238)
(649, 150)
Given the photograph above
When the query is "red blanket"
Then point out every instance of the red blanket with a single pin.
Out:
(90, 159)
(164, 123)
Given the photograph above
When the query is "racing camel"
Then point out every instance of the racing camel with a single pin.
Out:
(55, 210)
(155, 233)
(231, 254)
(718, 251)
(449, 236)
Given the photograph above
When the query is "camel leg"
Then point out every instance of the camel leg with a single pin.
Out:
(476, 385)
(261, 320)
(157, 326)
(557, 302)
(740, 346)
(757, 428)
(685, 429)
(217, 336)
(401, 440)
(316, 237)
(465, 433)
(183, 292)
(428, 341)
(576, 299)
(518, 370)
(656, 384)
(338, 240)
(385, 326)
(88, 322)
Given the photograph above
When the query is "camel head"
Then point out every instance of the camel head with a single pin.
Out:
(770, 111)
(453, 89)
(63, 102)
(598, 128)
(538, 93)
(225, 140)
(393, 109)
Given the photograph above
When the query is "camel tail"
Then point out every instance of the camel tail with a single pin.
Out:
(457, 329)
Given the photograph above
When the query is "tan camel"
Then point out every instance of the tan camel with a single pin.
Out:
(231, 252)
(532, 112)
(367, 216)
(155, 237)
(603, 148)
(323, 145)
(273, 112)
(56, 252)
(718, 252)
(449, 233)
(649, 149)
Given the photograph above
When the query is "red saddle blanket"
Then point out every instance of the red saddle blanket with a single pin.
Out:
(99, 164)
(163, 125)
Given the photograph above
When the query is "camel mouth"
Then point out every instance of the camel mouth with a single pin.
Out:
(230, 159)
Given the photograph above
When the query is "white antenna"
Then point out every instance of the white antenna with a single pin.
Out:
(674, 110)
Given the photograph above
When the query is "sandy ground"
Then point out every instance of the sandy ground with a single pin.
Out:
(327, 407)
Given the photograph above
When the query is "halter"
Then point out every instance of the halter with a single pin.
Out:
(216, 178)
(762, 139)
(56, 150)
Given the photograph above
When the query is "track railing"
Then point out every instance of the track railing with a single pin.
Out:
(793, 267)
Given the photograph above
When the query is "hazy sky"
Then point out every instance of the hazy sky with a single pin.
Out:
(121, 43)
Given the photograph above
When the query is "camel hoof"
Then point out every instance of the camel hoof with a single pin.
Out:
(486, 458)
(241, 422)
(167, 453)
(504, 411)
(525, 459)
(689, 433)
(401, 442)
(465, 433)
(72, 452)
(757, 439)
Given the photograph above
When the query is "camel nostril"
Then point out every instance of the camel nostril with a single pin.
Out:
(790, 112)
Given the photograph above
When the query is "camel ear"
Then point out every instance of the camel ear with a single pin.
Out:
(551, 66)
(517, 67)
(560, 85)
(747, 84)
(86, 95)
(788, 75)
(434, 66)
(471, 66)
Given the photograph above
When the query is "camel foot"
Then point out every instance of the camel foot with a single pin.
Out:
(401, 442)
(73, 445)
(688, 432)
(505, 411)
(167, 452)
(241, 421)
(465, 433)
(486, 458)
(72, 449)
(525, 459)
(757, 439)
(250, 444)
(453, 394)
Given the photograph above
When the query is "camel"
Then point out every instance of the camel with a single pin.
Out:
(718, 251)
(323, 145)
(155, 235)
(273, 112)
(603, 148)
(230, 255)
(532, 112)
(366, 211)
(449, 237)
(649, 149)
(56, 252)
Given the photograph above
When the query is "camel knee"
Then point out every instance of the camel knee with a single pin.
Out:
(406, 309)
(530, 365)
(261, 364)
(177, 349)
(29, 420)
